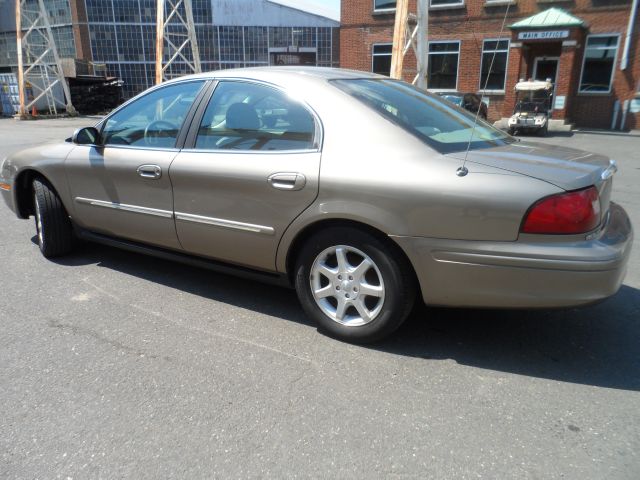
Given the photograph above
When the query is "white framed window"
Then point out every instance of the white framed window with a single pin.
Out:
(496, 78)
(444, 59)
(381, 58)
(384, 5)
(445, 3)
(598, 63)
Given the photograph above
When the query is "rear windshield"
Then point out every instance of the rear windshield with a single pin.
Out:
(435, 121)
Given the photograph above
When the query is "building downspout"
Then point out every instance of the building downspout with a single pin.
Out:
(624, 62)
(616, 110)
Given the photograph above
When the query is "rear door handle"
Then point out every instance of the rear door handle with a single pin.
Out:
(287, 181)
(150, 171)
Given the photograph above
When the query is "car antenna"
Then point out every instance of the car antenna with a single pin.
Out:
(463, 170)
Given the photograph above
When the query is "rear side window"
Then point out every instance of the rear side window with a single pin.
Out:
(249, 116)
(430, 118)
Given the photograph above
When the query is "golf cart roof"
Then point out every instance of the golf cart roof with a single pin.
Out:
(533, 85)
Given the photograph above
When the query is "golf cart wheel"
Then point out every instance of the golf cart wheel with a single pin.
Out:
(544, 130)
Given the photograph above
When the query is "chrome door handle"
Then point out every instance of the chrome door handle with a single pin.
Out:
(287, 181)
(150, 171)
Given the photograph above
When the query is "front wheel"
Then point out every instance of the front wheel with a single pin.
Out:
(55, 234)
(357, 287)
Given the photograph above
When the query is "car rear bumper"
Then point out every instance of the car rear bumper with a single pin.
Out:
(523, 274)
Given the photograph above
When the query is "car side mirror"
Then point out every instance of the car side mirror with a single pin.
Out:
(86, 136)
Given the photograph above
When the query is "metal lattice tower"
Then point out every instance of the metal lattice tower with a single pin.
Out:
(176, 29)
(406, 22)
(37, 49)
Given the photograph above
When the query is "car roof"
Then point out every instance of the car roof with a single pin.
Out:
(291, 73)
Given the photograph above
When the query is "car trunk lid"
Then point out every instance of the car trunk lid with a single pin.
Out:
(566, 168)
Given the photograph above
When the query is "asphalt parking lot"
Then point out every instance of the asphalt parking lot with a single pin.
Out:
(114, 365)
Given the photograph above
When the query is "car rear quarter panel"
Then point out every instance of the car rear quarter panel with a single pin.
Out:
(375, 173)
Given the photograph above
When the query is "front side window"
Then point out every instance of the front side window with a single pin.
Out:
(599, 63)
(429, 117)
(443, 65)
(249, 116)
(495, 54)
(384, 5)
(381, 59)
(153, 120)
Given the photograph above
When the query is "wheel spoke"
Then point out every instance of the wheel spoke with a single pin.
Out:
(341, 256)
(350, 282)
(341, 309)
(329, 273)
(362, 268)
(371, 290)
(324, 292)
(362, 310)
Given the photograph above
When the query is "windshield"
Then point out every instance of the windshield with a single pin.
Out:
(533, 101)
(435, 121)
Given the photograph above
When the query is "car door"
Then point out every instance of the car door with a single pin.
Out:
(250, 166)
(121, 187)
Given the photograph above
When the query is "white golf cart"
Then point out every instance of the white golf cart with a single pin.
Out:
(533, 107)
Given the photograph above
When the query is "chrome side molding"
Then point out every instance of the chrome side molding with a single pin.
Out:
(220, 222)
(186, 217)
(127, 208)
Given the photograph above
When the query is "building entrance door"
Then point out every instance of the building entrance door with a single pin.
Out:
(546, 67)
(293, 58)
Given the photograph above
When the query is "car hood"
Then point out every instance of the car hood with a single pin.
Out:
(567, 168)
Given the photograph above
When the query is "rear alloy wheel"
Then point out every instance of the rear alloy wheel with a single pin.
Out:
(353, 286)
(55, 234)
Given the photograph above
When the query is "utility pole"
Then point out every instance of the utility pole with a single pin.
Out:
(175, 28)
(38, 44)
(417, 40)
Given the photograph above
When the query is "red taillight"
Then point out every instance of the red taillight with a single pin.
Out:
(565, 213)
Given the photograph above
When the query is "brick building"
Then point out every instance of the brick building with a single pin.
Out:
(589, 48)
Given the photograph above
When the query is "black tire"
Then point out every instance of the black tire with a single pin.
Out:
(53, 227)
(544, 130)
(397, 275)
(512, 131)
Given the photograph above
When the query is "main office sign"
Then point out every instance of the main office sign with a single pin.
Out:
(552, 35)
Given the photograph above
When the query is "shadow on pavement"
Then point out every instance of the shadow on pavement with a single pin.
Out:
(616, 133)
(597, 345)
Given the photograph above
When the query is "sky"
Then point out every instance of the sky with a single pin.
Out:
(334, 4)
(330, 8)
(331, 3)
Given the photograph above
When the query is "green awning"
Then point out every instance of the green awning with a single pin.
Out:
(551, 18)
